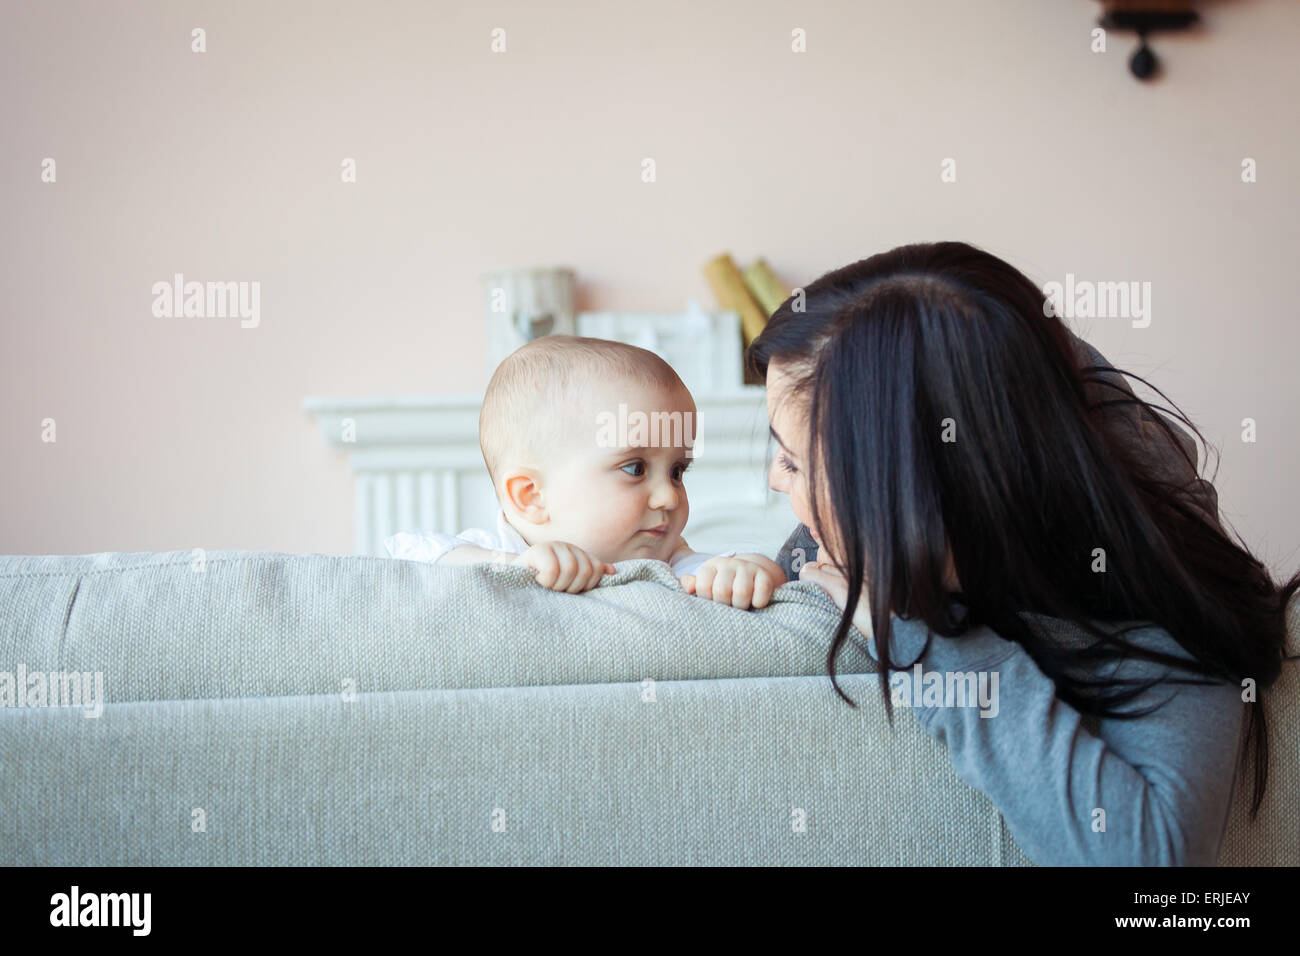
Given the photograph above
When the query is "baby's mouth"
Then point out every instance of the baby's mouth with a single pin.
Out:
(659, 531)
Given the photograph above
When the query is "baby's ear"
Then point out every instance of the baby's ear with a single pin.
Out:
(523, 490)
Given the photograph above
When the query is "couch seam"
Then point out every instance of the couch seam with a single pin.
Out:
(631, 684)
(63, 633)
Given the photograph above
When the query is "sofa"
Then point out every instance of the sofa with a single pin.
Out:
(274, 709)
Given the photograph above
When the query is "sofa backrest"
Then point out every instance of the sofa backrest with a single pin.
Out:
(269, 708)
(1273, 838)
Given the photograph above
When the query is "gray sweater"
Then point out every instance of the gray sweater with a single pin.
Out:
(1164, 781)
(1075, 789)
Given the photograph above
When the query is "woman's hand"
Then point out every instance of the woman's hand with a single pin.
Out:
(832, 580)
(743, 581)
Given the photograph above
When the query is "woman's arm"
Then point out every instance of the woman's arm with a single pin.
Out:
(1153, 791)
(1164, 782)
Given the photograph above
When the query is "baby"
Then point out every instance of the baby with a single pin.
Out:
(577, 496)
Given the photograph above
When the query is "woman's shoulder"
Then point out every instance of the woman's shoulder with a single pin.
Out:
(1071, 636)
(982, 647)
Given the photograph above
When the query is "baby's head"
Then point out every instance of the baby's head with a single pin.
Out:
(586, 441)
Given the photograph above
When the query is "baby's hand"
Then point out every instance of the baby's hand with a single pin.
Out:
(564, 567)
(742, 581)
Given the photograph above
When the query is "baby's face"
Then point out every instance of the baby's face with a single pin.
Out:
(616, 489)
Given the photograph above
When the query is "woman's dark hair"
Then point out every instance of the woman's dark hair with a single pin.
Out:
(947, 410)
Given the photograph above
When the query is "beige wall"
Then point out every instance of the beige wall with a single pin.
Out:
(180, 433)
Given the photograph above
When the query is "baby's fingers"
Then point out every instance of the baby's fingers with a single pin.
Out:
(569, 568)
(764, 585)
(688, 583)
(721, 585)
(589, 572)
(704, 582)
(742, 589)
(599, 570)
(546, 566)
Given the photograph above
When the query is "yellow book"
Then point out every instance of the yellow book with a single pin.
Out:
(731, 292)
(765, 287)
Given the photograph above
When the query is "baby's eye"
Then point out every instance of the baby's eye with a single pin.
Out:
(679, 471)
(633, 464)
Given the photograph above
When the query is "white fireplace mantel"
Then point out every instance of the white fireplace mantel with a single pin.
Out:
(418, 467)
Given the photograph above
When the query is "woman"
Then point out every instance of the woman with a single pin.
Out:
(958, 468)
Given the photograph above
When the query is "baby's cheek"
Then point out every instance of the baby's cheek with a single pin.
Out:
(617, 528)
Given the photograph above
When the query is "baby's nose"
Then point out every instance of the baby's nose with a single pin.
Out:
(664, 497)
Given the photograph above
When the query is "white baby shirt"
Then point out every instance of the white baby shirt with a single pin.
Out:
(430, 546)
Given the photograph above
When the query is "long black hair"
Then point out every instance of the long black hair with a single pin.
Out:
(947, 413)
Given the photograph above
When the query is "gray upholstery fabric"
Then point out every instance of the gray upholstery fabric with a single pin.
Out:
(254, 624)
(710, 772)
(635, 724)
